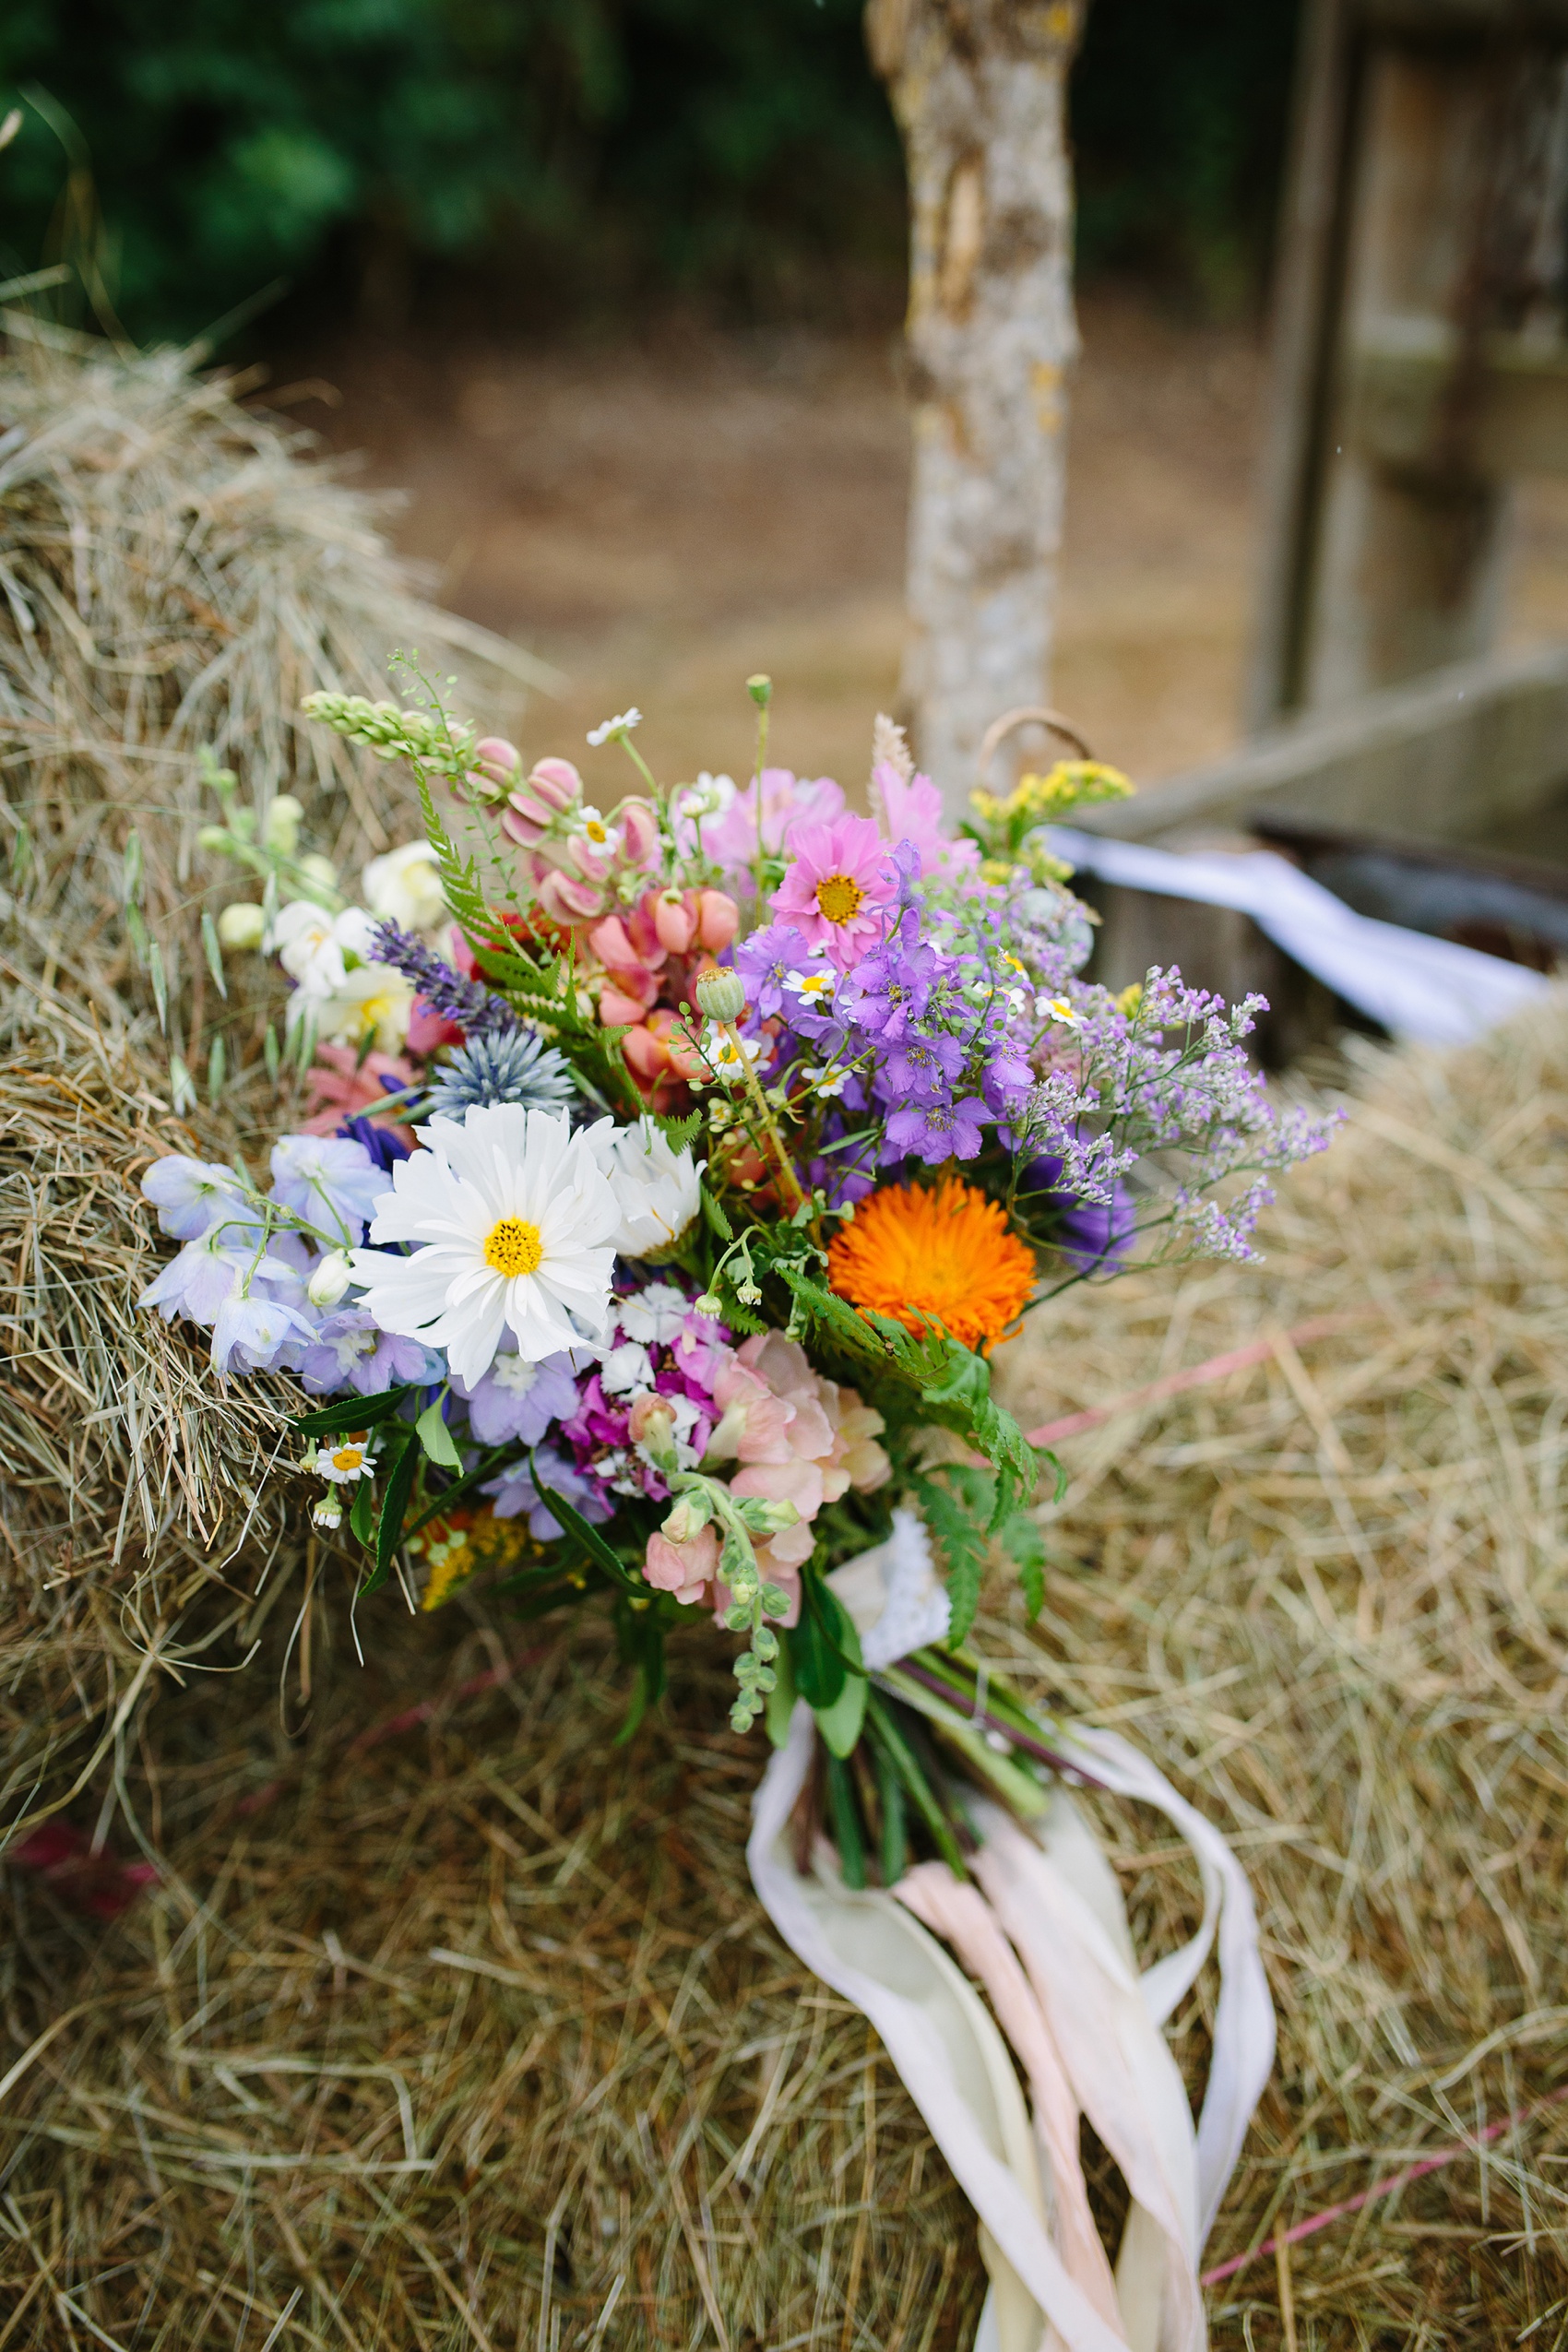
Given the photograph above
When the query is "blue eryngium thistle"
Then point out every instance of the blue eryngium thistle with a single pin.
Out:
(512, 1067)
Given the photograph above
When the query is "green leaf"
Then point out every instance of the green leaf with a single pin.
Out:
(394, 1503)
(214, 953)
(781, 1698)
(436, 1438)
(361, 1517)
(962, 1544)
(840, 1724)
(592, 1543)
(680, 1133)
(1025, 1545)
(824, 1648)
(352, 1412)
(640, 1638)
(845, 1819)
(713, 1211)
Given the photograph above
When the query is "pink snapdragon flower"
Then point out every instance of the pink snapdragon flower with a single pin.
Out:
(339, 1086)
(684, 1569)
(838, 889)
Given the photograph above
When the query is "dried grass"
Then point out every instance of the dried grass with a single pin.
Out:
(178, 569)
(448, 2024)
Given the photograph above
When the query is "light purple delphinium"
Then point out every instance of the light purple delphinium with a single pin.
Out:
(349, 1350)
(330, 1181)
(515, 1401)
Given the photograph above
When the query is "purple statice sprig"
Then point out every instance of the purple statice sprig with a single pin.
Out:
(477, 1010)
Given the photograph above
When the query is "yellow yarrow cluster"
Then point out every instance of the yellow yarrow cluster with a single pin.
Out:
(1037, 798)
(455, 1555)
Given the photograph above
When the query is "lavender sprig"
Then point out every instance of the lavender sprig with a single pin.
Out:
(477, 1010)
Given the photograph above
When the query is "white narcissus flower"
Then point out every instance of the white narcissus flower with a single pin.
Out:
(371, 1006)
(404, 887)
(513, 1224)
(658, 1191)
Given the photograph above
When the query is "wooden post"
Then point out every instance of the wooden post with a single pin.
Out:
(1420, 365)
(979, 87)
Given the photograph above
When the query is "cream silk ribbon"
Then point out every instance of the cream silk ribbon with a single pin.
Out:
(1042, 1929)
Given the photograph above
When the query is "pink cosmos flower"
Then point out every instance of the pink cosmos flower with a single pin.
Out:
(838, 888)
(911, 811)
(787, 800)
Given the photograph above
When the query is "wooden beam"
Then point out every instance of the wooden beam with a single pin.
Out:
(1477, 746)
(1410, 397)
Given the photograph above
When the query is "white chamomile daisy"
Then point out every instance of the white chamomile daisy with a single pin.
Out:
(729, 1057)
(622, 724)
(343, 1460)
(589, 826)
(1058, 1008)
(511, 1223)
(812, 988)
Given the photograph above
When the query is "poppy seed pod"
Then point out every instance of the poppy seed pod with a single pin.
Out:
(721, 995)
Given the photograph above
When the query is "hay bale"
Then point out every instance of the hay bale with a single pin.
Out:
(129, 1477)
(178, 569)
(447, 2024)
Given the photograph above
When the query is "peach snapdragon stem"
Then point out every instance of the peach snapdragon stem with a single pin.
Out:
(792, 1193)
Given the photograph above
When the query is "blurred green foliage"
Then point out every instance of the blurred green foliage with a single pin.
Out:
(570, 154)
(1180, 117)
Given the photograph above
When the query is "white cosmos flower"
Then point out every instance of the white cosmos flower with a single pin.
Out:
(514, 1225)
(658, 1191)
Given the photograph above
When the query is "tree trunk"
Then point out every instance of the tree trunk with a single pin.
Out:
(979, 87)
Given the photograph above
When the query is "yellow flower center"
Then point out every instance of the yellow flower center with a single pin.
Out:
(839, 897)
(514, 1247)
(348, 1457)
(596, 831)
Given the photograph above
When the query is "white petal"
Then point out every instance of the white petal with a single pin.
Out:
(472, 1352)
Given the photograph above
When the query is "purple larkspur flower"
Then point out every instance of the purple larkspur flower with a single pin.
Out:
(261, 1333)
(331, 1180)
(518, 1401)
(765, 962)
(935, 1132)
(922, 1069)
(1093, 1235)
(351, 1350)
(209, 1270)
(891, 988)
(516, 1491)
(384, 1145)
(193, 1196)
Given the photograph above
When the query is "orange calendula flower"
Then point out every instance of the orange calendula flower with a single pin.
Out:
(945, 1252)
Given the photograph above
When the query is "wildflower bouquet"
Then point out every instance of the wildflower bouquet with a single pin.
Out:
(668, 1175)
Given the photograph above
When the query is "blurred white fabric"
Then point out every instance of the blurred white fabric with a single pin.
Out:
(1429, 991)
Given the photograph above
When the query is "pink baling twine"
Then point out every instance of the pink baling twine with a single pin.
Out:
(1317, 2221)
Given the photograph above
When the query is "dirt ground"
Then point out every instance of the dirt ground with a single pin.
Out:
(660, 519)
